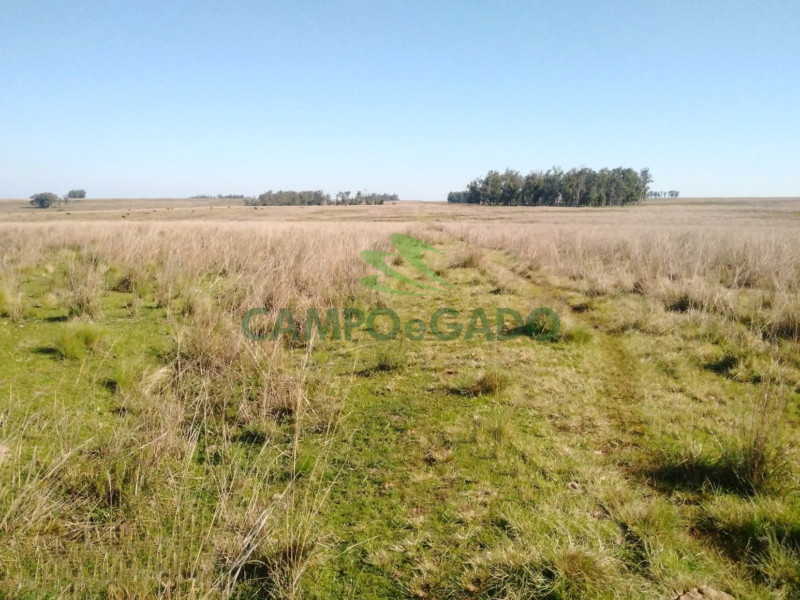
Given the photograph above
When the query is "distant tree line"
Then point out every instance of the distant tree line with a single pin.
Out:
(317, 198)
(346, 198)
(669, 194)
(48, 199)
(556, 187)
(221, 196)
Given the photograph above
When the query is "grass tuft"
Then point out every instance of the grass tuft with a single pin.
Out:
(467, 259)
(85, 283)
(76, 338)
(578, 335)
(784, 321)
(491, 381)
(12, 302)
(745, 468)
(387, 359)
(763, 534)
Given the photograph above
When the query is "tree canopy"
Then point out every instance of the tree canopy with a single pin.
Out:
(44, 199)
(576, 187)
(317, 198)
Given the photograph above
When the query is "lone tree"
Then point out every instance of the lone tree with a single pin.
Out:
(76, 194)
(44, 199)
(647, 179)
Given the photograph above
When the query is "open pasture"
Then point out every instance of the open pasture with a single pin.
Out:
(149, 449)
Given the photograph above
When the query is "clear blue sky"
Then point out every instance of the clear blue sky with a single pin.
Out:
(415, 97)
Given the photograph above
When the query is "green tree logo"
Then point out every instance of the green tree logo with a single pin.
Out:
(411, 249)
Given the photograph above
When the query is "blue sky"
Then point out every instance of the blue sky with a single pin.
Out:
(416, 98)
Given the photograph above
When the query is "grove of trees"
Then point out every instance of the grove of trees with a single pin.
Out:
(48, 199)
(317, 198)
(556, 187)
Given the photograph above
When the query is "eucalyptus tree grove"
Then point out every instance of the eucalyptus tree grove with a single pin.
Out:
(556, 187)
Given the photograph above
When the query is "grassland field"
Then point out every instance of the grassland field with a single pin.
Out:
(149, 449)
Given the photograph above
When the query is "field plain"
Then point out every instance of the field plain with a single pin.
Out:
(148, 449)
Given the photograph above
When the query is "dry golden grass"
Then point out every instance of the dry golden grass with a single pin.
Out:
(246, 264)
(744, 267)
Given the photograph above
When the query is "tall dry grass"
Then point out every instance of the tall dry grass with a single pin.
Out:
(265, 263)
(164, 502)
(747, 273)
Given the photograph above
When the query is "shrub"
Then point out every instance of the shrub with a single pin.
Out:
(44, 199)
